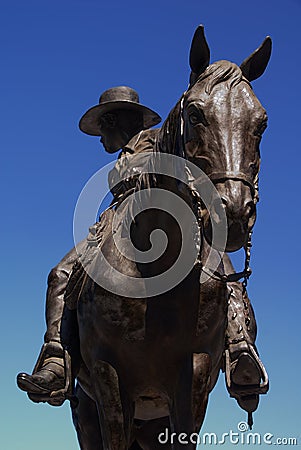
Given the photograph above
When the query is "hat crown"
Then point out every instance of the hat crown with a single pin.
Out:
(122, 98)
(119, 93)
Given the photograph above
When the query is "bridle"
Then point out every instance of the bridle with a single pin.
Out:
(215, 178)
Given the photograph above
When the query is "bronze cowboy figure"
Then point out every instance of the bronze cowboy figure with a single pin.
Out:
(118, 119)
(123, 123)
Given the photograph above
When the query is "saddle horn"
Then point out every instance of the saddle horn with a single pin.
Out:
(254, 66)
(199, 56)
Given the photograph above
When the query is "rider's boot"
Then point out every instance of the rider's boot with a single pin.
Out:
(246, 376)
(48, 380)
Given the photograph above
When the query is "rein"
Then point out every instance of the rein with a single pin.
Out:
(231, 277)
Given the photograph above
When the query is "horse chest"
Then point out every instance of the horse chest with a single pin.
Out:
(111, 316)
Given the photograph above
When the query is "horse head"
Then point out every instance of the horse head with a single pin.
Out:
(223, 122)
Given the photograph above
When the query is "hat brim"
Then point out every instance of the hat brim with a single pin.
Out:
(89, 123)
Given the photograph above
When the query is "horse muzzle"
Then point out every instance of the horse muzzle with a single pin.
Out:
(236, 201)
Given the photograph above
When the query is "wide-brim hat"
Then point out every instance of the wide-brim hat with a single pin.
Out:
(122, 98)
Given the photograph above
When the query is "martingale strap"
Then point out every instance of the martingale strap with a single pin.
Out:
(227, 278)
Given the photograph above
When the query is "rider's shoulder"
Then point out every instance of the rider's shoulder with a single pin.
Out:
(143, 141)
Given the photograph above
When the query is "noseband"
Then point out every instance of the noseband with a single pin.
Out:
(221, 177)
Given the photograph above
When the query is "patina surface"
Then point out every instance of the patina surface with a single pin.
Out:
(146, 364)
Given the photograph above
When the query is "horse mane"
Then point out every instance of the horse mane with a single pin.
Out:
(218, 72)
(166, 141)
(169, 133)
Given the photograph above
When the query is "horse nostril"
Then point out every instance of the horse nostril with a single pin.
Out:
(217, 210)
(224, 201)
(249, 208)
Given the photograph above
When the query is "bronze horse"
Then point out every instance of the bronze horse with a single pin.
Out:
(149, 363)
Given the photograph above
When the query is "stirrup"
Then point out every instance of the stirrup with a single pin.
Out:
(236, 390)
(67, 392)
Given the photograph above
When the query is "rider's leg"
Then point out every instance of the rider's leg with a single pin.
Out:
(244, 370)
(49, 372)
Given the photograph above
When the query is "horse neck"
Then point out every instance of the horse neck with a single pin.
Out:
(158, 192)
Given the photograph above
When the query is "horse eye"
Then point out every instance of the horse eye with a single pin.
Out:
(197, 117)
(193, 119)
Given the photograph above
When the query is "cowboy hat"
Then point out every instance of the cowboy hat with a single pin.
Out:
(120, 97)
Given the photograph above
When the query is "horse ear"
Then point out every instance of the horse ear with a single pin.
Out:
(254, 66)
(199, 52)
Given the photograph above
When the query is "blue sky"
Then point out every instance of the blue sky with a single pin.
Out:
(56, 59)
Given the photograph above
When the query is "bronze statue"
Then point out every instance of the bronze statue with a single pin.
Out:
(147, 342)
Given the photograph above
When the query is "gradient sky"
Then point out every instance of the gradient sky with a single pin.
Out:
(56, 59)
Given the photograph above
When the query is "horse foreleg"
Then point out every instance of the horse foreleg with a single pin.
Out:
(135, 446)
(153, 434)
(181, 409)
(85, 419)
(200, 387)
(109, 406)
